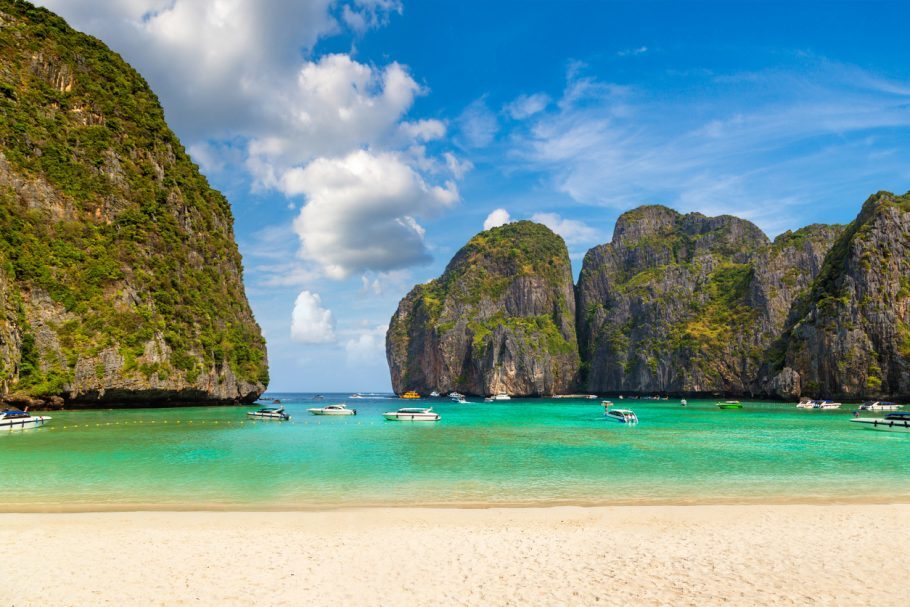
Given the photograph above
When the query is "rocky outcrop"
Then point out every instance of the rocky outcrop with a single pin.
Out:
(501, 318)
(850, 337)
(690, 304)
(120, 281)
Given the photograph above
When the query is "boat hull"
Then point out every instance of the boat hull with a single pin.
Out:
(883, 425)
(620, 420)
(272, 417)
(411, 417)
(24, 423)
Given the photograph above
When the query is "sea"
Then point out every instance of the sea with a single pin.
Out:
(522, 452)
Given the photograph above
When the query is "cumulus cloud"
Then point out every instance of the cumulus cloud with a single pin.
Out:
(240, 83)
(571, 230)
(525, 106)
(338, 105)
(361, 212)
(310, 322)
(212, 62)
(496, 218)
(368, 346)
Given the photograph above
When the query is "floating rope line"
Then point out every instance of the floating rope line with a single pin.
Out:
(209, 422)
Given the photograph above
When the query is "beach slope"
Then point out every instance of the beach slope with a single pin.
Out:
(652, 555)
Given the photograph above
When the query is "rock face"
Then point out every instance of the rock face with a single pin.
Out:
(850, 337)
(501, 318)
(659, 305)
(120, 280)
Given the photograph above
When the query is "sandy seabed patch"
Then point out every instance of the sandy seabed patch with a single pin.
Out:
(613, 555)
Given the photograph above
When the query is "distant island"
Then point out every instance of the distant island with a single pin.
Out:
(120, 281)
(674, 304)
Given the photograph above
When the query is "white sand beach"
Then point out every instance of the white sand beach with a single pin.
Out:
(625, 555)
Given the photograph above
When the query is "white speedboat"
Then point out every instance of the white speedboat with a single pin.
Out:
(339, 409)
(606, 403)
(13, 419)
(879, 405)
(893, 422)
(357, 395)
(275, 413)
(805, 403)
(826, 404)
(683, 402)
(412, 414)
(434, 394)
(623, 416)
(501, 396)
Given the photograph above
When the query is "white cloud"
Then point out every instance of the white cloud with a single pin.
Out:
(496, 218)
(239, 83)
(368, 346)
(633, 52)
(571, 230)
(367, 14)
(478, 125)
(765, 145)
(423, 130)
(212, 62)
(336, 106)
(310, 322)
(379, 283)
(360, 212)
(525, 106)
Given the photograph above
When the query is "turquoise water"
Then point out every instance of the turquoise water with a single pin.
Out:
(519, 452)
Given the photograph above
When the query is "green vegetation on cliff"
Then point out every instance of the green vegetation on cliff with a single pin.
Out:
(102, 210)
(500, 318)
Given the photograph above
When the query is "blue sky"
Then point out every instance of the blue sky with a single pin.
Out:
(362, 142)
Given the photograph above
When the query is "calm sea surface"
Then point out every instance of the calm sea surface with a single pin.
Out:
(519, 452)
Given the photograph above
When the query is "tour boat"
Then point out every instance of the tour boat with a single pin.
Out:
(878, 405)
(339, 409)
(415, 414)
(623, 416)
(13, 419)
(357, 395)
(434, 394)
(893, 422)
(410, 394)
(276, 413)
(730, 404)
(501, 396)
(806, 403)
(456, 396)
(683, 402)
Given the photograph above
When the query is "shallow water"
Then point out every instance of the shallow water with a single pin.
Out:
(518, 452)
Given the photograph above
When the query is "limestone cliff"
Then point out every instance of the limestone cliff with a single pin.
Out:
(850, 337)
(501, 318)
(688, 303)
(119, 277)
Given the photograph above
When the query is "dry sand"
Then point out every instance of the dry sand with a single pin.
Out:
(650, 555)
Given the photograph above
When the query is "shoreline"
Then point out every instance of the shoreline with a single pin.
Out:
(614, 555)
(251, 508)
